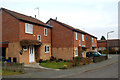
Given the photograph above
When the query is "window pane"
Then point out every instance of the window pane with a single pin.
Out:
(76, 35)
(28, 28)
(45, 31)
(82, 37)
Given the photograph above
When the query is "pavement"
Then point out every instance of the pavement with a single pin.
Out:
(51, 73)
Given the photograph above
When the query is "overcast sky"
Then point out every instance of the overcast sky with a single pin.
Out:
(96, 17)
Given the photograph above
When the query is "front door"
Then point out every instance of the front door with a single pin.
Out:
(31, 54)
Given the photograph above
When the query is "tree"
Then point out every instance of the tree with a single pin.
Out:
(103, 38)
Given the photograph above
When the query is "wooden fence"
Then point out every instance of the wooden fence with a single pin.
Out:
(16, 67)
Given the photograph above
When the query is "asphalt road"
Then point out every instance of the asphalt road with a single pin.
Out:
(110, 71)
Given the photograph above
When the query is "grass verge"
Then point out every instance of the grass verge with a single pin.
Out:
(56, 65)
(5, 73)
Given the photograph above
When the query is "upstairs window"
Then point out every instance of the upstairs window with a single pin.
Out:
(39, 37)
(82, 37)
(45, 31)
(28, 28)
(76, 35)
(92, 40)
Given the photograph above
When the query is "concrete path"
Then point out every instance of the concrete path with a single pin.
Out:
(68, 72)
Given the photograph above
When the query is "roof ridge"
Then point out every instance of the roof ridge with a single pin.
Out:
(24, 17)
(73, 27)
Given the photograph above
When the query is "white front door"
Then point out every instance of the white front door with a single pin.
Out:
(83, 54)
(31, 54)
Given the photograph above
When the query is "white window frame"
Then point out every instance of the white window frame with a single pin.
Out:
(27, 28)
(92, 40)
(45, 31)
(76, 54)
(83, 37)
(38, 37)
(47, 51)
(76, 36)
(79, 42)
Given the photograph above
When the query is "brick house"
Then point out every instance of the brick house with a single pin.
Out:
(112, 44)
(68, 42)
(24, 39)
(102, 45)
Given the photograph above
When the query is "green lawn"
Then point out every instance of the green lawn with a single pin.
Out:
(10, 73)
(56, 65)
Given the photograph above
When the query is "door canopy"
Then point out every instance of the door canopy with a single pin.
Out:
(27, 42)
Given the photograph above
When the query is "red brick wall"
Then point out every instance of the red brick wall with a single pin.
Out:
(37, 30)
(10, 27)
(102, 44)
(88, 41)
(61, 36)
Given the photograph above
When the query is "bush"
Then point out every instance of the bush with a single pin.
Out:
(59, 60)
(76, 61)
(53, 58)
(112, 51)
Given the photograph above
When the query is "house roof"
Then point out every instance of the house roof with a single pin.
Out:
(113, 42)
(25, 18)
(70, 27)
(100, 41)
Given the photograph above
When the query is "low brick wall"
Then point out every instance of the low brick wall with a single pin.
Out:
(16, 67)
(100, 58)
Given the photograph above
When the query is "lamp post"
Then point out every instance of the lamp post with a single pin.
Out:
(107, 41)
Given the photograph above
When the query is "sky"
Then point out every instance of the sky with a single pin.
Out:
(96, 17)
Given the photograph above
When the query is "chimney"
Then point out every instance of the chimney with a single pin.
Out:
(35, 16)
(56, 18)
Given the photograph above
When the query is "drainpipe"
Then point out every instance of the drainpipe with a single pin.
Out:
(51, 42)
(73, 44)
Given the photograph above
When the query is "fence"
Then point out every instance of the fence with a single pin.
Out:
(16, 67)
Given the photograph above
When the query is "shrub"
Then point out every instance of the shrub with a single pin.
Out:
(112, 51)
(65, 60)
(76, 61)
(53, 58)
(59, 60)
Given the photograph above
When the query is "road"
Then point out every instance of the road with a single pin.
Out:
(110, 71)
(104, 69)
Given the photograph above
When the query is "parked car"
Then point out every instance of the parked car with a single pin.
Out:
(93, 54)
